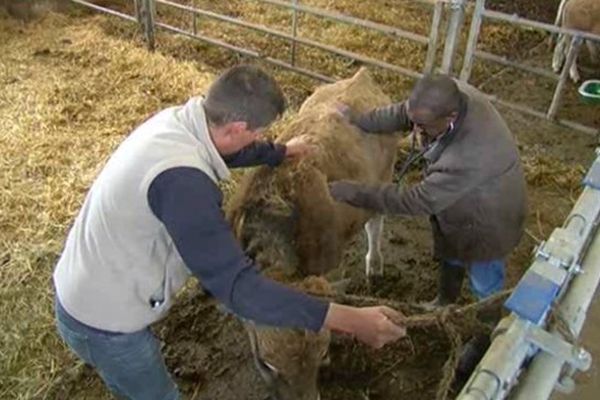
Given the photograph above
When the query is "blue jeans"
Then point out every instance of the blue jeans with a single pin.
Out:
(485, 277)
(130, 364)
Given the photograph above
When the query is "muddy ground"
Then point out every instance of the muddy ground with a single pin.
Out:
(207, 350)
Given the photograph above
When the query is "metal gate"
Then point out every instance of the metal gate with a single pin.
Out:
(480, 15)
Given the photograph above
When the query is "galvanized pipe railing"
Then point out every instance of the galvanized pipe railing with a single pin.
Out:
(147, 14)
(246, 52)
(286, 36)
(484, 55)
(106, 10)
(570, 259)
(479, 13)
(564, 75)
(294, 33)
(528, 23)
(432, 47)
(338, 17)
(457, 8)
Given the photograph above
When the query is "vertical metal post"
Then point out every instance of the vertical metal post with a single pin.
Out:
(465, 74)
(564, 75)
(433, 37)
(148, 12)
(294, 32)
(194, 23)
(457, 8)
(137, 11)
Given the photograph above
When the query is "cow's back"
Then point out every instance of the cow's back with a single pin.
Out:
(286, 215)
(582, 15)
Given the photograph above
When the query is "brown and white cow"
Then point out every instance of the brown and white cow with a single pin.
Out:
(286, 218)
(582, 15)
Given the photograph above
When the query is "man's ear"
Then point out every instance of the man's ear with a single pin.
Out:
(237, 127)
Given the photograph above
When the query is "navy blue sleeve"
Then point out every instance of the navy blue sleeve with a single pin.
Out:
(189, 205)
(258, 153)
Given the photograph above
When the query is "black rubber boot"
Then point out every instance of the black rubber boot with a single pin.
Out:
(471, 354)
(450, 281)
(475, 348)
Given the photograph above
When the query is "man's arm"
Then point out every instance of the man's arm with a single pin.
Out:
(271, 154)
(188, 204)
(436, 192)
(258, 153)
(388, 119)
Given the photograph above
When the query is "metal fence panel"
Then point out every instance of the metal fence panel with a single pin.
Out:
(479, 15)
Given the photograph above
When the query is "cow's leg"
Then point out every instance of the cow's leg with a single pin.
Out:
(559, 53)
(573, 71)
(558, 19)
(593, 49)
(374, 258)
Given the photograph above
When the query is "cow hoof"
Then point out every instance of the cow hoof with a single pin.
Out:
(556, 66)
(575, 78)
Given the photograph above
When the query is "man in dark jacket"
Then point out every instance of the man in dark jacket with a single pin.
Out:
(473, 188)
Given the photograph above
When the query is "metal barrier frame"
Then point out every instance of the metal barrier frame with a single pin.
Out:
(145, 16)
(145, 12)
(472, 53)
(529, 360)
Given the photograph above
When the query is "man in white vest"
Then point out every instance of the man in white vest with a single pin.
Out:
(153, 218)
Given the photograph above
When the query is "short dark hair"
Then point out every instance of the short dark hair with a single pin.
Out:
(437, 94)
(244, 93)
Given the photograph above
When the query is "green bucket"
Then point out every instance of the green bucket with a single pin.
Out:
(589, 91)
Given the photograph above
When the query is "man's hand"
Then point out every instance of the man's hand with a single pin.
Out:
(299, 147)
(344, 111)
(374, 326)
(343, 191)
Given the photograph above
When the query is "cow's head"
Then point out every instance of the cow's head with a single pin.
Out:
(289, 360)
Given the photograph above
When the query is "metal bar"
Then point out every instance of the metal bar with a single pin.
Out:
(136, 11)
(307, 42)
(194, 23)
(558, 19)
(335, 16)
(545, 370)
(148, 12)
(105, 10)
(452, 35)
(505, 61)
(436, 20)
(502, 364)
(564, 75)
(538, 25)
(499, 366)
(530, 111)
(429, 2)
(465, 73)
(294, 32)
(246, 52)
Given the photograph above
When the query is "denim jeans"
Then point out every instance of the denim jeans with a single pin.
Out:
(130, 364)
(485, 277)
